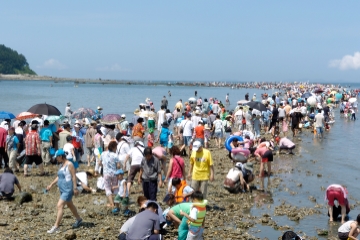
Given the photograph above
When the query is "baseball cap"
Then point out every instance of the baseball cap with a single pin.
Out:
(123, 116)
(60, 152)
(118, 172)
(196, 145)
(188, 115)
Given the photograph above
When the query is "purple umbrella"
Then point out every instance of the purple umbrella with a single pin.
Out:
(111, 119)
(83, 113)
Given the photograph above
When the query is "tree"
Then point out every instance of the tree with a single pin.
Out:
(11, 62)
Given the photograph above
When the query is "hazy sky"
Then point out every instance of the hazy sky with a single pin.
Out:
(187, 40)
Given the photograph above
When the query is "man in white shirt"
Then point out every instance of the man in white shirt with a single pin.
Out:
(238, 117)
(137, 155)
(196, 118)
(160, 117)
(68, 111)
(319, 123)
(186, 126)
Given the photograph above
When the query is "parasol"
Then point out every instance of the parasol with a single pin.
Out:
(54, 118)
(44, 109)
(83, 113)
(306, 95)
(6, 115)
(257, 105)
(26, 115)
(110, 119)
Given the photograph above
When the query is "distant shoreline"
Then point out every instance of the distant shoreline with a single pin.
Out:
(27, 77)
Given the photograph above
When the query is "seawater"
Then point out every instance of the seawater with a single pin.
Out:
(336, 157)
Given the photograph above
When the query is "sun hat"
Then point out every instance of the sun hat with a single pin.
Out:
(197, 112)
(90, 172)
(123, 115)
(118, 172)
(196, 145)
(249, 166)
(139, 143)
(99, 108)
(136, 111)
(77, 125)
(59, 152)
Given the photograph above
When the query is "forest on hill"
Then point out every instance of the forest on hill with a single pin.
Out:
(11, 62)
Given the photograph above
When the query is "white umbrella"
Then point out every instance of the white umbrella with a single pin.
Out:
(352, 100)
(242, 102)
(311, 101)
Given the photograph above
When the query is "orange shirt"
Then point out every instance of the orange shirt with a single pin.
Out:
(138, 130)
(199, 131)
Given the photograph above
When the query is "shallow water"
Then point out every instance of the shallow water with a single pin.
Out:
(335, 157)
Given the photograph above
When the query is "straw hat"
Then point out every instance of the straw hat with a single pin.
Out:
(137, 111)
(90, 172)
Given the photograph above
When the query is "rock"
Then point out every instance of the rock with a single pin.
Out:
(23, 197)
(3, 223)
(70, 234)
(312, 198)
(322, 232)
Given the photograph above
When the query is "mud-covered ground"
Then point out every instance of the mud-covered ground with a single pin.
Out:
(228, 217)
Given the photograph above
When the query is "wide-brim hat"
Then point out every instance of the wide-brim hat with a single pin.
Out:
(137, 111)
(90, 172)
(249, 166)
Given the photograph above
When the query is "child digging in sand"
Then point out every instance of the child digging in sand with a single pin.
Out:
(122, 195)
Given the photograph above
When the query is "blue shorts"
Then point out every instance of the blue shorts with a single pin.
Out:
(187, 140)
(218, 135)
(319, 130)
(200, 140)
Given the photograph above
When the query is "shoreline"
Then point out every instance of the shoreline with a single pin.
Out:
(235, 85)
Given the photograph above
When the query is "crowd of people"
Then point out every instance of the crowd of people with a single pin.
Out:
(152, 148)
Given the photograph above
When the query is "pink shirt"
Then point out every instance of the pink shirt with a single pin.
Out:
(286, 142)
(177, 167)
(261, 151)
(3, 134)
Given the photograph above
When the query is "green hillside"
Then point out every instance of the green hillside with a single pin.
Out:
(11, 62)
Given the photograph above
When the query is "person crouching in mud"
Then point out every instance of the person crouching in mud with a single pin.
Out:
(239, 177)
